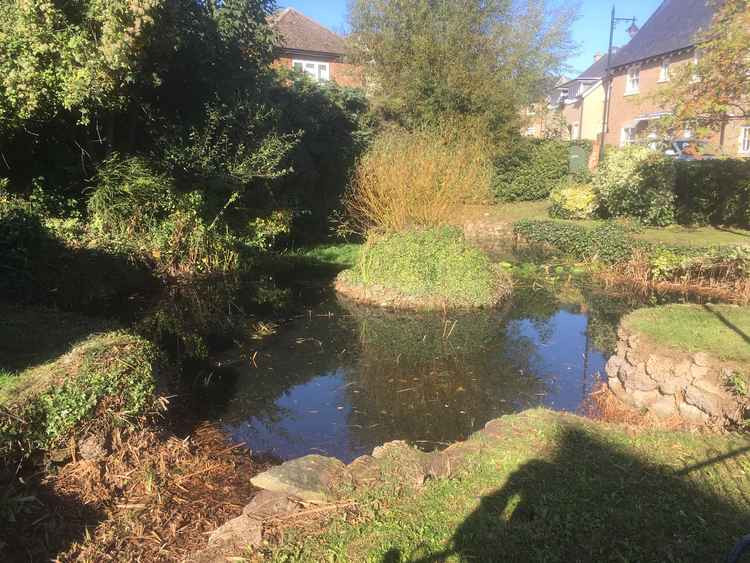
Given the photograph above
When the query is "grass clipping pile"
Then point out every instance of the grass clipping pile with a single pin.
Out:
(157, 498)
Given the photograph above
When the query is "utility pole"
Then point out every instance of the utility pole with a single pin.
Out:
(607, 82)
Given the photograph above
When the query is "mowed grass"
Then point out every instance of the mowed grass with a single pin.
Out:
(556, 487)
(342, 254)
(720, 330)
(674, 235)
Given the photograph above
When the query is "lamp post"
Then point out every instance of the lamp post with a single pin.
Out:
(607, 81)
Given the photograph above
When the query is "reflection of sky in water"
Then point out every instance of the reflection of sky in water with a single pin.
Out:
(560, 359)
(348, 409)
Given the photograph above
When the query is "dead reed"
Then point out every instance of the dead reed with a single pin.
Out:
(419, 178)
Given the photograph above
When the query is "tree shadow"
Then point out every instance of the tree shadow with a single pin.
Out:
(591, 501)
(729, 324)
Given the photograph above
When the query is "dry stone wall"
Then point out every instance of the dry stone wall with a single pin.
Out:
(670, 384)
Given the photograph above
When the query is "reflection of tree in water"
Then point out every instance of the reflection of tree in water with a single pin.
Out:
(432, 379)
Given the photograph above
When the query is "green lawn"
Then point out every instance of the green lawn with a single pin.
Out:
(676, 235)
(720, 330)
(341, 254)
(556, 487)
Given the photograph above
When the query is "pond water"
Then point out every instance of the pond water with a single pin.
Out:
(341, 378)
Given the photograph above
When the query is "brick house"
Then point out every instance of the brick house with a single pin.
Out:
(544, 118)
(309, 47)
(665, 41)
(582, 102)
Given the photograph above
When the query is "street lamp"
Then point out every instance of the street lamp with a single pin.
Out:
(632, 30)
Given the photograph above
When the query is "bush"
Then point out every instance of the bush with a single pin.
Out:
(532, 168)
(637, 182)
(417, 178)
(23, 240)
(607, 242)
(715, 192)
(573, 201)
(436, 264)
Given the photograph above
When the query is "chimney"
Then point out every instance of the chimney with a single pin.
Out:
(597, 56)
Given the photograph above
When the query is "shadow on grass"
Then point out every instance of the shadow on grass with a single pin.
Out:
(590, 501)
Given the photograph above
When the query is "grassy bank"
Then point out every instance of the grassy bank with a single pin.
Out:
(720, 330)
(555, 487)
(431, 267)
(95, 380)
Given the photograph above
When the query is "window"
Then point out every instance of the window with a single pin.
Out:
(317, 70)
(564, 93)
(745, 140)
(575, 131)
(531, 131)
(696, 76)
(664, 71)
(627, 137)
(633, 84)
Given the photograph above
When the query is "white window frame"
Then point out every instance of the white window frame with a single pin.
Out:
(633, 81)
(664, 70)
(320, 71)
(575, 132)
(531, 131)
(627, 136)
(744, 147)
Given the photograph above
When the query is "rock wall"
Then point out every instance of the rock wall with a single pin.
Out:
(671, 384)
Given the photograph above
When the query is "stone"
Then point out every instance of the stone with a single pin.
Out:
(622, 348)
(658, 368)
(698, 372)
(310, 478)
(644, 399)
(692, 414)
(459, 454)
(364, 471)
(682, 370)
(93, 447)
(633, 357)
(702, 359)
(709, 386)
(270, 504)
(707, 402)
(619, 391)
(664, 407)
(613, 366)
(399, 459)
(633, 340)
(674, 385)
(439, 466)
(639, 380)
(243, 531)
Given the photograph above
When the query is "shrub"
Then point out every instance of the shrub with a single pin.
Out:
(23, 240)
(436, 264)
(43, 405)
(530, 169)
(637, 182)
(573, 201)
(713, 192)
(417, 178)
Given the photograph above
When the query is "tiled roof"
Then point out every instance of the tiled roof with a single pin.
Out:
(596, 70)
(300, 33)
(673, 26)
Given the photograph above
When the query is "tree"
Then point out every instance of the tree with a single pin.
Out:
(717, 88)
(427, 58)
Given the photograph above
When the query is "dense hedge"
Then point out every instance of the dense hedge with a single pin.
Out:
(532, 167)
(639, 183)
(607, 241)
(715, 192)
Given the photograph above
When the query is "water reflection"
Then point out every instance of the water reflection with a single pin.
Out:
(345, 379)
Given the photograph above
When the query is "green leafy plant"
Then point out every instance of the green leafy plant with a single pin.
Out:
(713, 192)
(530, 168)
(573, 201)
(433, 263)
(637, 182)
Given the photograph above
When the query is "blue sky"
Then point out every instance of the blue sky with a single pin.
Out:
(591, 31)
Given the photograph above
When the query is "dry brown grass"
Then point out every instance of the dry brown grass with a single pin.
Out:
(419, 178)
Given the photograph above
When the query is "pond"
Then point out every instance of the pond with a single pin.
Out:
(339, 379)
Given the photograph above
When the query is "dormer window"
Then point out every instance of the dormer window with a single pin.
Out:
(564, 93)
(633, 81)
(664, 71)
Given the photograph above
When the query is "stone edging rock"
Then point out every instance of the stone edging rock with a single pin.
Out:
(671, 384)
(380, 296)
(295, 485)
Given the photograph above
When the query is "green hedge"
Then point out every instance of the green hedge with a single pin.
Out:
(607, 242)
(715, 192)
(532, 167)
(640, 183)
